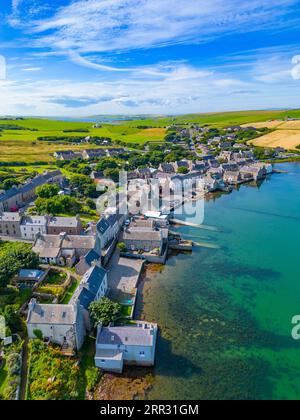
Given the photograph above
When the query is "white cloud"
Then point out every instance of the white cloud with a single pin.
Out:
(295, 72)
(89, 26)
(31, 69)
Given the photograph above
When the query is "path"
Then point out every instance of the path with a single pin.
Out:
(24, 372)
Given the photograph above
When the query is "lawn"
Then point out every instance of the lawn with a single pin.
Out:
(56, 278)
(126, 310)
(24, 146)
(3, 377)
(89, 374)
(70, 292)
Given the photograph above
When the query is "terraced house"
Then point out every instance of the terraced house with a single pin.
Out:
(18, 197)
(10, 224)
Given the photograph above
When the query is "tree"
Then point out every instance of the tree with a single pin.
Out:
(104, 311)
(17, 256)
(38, 334)
(83, 185)
(122, 246)
(106, 163)
(58, 205)
(47, 190)
(112, 174)
(182, 170)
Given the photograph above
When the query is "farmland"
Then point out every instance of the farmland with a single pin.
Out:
(289, 139)
(23, 145)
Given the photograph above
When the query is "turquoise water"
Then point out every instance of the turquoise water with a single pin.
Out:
(225, 313)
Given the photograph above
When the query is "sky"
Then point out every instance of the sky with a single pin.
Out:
(94, 57)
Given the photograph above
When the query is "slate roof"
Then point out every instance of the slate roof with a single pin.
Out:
(105, 223)
(52, 314)
(34, 183)
(129, 336)
(10, 217)
(63, 222)
(89, 286)
(34, 220)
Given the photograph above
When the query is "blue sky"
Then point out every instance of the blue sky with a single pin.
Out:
(87, 57)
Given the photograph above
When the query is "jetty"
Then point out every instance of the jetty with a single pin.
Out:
(195, 225)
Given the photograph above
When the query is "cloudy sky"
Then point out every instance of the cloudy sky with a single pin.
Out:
(87, 57)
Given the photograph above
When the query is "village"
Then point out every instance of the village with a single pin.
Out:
(100, 263)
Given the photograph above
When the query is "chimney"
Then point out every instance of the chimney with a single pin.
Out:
(31, 305)
(62, 235)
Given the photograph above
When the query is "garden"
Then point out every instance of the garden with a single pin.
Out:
(10, 369)
(52, 376)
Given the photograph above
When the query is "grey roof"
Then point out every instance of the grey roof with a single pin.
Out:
(91, 256)
(110, 354)
(84, 296)
(142, 235)
(52, 314)
(167, 167)
(137, 335)
(64, 221)
(95, 152)
(106, 222)
(10, 217)
(86, 262)
(34, 220)
(34, 183)
(89, 286)
(49, 246)
(93, 278)
(78, 242)
(183, 164)
(102, 226)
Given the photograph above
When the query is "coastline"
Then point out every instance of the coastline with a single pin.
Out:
(136, 382)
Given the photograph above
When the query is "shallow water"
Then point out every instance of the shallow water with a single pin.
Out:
(225, 313)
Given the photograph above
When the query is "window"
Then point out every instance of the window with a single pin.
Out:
(142, 353)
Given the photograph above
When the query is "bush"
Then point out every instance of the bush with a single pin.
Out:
(14, 363)
(92, 377)
(104, 311)
(38, 333)
(122, 247)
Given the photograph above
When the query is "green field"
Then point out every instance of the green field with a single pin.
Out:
(23, 146)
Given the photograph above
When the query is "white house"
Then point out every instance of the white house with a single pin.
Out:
(32, 225)
(60, 324)
(132, 345)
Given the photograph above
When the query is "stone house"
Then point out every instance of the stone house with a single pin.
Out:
(32, 225)
(10, 224)
(62, 249)
(232, 177)
(126, 345)
(68, 225)
(60, 324)
(17, 197)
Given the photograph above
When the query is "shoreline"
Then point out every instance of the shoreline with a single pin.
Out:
(136, 383)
